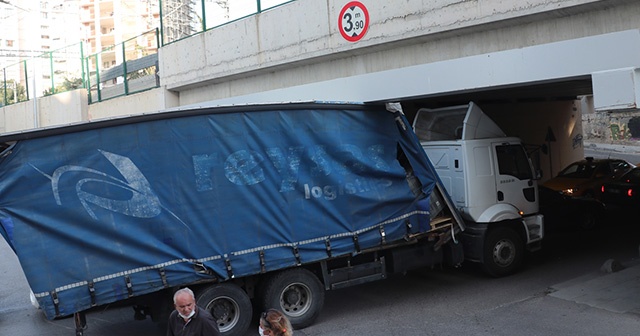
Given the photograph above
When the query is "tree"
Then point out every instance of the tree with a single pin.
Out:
(69, 84)
(12, 92)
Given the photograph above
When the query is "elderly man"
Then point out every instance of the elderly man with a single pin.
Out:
(188, 319)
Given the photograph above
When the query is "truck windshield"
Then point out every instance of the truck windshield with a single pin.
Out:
(512, 160)
(437, 125)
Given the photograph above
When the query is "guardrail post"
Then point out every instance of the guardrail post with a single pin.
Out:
(204, 17)
(98, 80)
(124, 68)
(161, 24)
(85, 63)
(4, 76)
(53, 85)
(26, 81)
(83, 70)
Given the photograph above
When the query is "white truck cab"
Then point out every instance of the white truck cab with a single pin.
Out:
(490, 180)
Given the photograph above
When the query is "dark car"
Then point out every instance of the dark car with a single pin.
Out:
(562, 212)
(585, 178)
(623, 193)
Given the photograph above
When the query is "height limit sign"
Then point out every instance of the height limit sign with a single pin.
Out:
(353, 21)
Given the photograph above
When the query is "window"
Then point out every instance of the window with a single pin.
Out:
(512, 160)
(618, 166)
(431, 126)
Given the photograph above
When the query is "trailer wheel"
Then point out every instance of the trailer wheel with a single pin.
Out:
(229, 305)
(296, 292)
(503, 252)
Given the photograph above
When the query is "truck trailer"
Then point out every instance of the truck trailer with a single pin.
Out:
(251, 206)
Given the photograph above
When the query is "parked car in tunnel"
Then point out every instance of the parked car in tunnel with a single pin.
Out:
(585, 178)
(623, 193)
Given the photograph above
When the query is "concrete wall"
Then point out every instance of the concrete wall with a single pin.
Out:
(59, 109)
(533, 123)
(71, 107)
(241, 58)
(143, 102)
(17, 117)
(617, 128)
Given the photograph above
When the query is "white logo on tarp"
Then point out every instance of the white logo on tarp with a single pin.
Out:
(144, 203)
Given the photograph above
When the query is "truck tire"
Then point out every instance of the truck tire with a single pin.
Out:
(229, 305)
(503, 252)
(296, 292)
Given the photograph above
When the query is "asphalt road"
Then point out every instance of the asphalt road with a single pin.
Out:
(427, 302)
(465, 302)
(628, 153)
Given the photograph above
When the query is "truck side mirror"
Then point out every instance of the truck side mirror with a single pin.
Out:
(538, 174)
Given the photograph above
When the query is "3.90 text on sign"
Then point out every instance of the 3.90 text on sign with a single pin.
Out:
(353, 21)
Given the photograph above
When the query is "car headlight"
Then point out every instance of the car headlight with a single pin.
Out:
(570, 191)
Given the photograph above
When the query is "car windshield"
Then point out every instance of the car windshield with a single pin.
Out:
(595, 169)
(579, 170)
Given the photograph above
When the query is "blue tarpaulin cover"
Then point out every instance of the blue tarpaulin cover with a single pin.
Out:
(106, 209)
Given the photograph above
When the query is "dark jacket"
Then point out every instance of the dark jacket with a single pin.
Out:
(200, 324)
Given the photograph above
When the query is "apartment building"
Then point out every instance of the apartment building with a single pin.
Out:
(105, 24)
(9, 48)
(32, 52)
(50, 37)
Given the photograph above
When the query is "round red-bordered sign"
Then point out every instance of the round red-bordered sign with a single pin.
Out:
(353, 21)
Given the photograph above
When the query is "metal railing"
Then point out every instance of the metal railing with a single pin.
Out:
(56, 71)
(180, 19)
(122, 69)
(125, 68)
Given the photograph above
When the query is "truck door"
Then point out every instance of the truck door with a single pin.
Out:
(515, 182)
(447, 159)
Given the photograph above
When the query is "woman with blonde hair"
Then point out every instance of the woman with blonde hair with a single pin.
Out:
(274, 323)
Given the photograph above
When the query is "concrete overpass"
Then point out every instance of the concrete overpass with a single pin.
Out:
(434, 50)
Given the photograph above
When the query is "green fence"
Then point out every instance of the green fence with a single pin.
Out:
(182, 18)
(49, 73)
(123, 69)
(14, 84)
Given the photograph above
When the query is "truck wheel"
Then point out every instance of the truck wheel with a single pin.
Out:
(229, 305)
(503, 252)
(296, 292)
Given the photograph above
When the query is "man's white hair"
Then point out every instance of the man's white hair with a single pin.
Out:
(185, 290)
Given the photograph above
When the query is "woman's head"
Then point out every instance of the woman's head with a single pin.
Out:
(275, 323)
